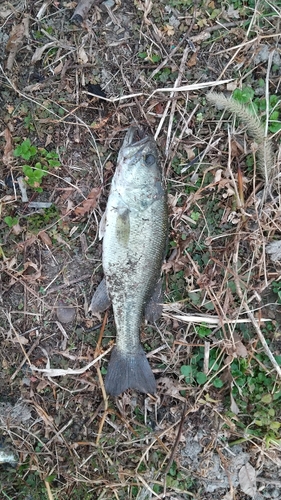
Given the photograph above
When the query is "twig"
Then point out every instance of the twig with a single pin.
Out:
(174, 102)
(35, 344)
(105, 398)
(58, 372)
(66, 285)
(48, 488)
(166, 470)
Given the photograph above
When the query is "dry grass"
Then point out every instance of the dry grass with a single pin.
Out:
(76, 442)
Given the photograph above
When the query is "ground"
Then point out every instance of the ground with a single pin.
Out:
(69, 91)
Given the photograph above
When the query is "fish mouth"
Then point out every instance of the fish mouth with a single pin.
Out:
(135, 136)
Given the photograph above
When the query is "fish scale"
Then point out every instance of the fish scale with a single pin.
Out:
(134, 231)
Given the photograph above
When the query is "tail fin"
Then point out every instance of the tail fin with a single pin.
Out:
(129, 371)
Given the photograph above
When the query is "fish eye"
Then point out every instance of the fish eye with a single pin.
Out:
(149, 160)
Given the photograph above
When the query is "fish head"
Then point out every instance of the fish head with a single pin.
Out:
(138, 168)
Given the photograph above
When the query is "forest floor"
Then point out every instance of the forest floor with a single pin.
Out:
(69, 92)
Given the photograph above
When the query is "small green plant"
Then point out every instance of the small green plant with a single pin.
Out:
(38, 221)
(28, 123)
(11, 221)
(40, 161)
(154, 58)
(258, 396)
(258, 106)
(276, 288)
(25, 150)
(193, 372)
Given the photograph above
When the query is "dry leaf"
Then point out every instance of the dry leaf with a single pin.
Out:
(274, 250)
(90, 203)
(193, 60)
(30, 271)
(233, 407)
(241, 349)
(21, 340)
(82, 56)
(19, 31)
(45, 238)
(40, 51)
(169, 30)
(233, 13)
(247, 480)
(172, 388)
(7, 156)
(17, 229)
(58, 68)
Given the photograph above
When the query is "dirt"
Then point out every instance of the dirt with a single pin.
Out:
(71, 441)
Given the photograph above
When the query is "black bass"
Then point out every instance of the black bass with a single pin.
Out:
(134, 231)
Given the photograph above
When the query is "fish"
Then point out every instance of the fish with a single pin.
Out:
(7, 455)
(134, 232)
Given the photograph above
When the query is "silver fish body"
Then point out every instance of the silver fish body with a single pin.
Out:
(134, 232)
(8, 455)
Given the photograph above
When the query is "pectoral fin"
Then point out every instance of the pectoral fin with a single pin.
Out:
(100, 300)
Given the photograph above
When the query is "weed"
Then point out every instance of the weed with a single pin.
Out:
(258, 106)
(193, 372)
(11, 221)
(154, 58)
(40, 161)
(38, 221)
(28, 123)
(276, 288)
(258, 396)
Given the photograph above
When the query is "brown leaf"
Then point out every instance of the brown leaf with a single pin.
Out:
(40, 51)
(240, 349)
(45, 238)
(30, 272)
(90, 203)
(193, 60)
(247, 480)
(17, 229)
(7, 156)
(19, 31)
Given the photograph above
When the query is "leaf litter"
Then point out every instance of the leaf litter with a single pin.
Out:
(216, 268)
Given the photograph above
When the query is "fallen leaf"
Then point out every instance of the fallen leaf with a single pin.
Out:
(274, 250)
(40, 51)
(233, 407)
(241, 349)
(82, 56)
(169, 30)
(17, 229)
(7, 156)
(233, 13)
(90, 203)
(30, 271)
(21, 340)
(247, 480)
(172, 388)
(19, 31)
(193, 60)
(45, 238)
(58, 68)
